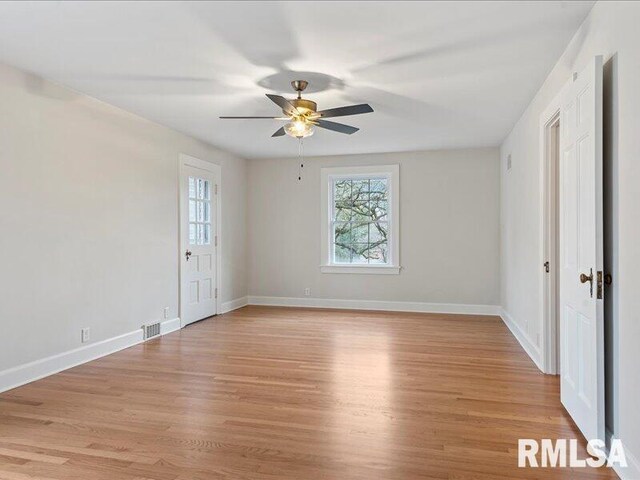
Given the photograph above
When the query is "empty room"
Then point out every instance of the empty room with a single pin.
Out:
(310, 240)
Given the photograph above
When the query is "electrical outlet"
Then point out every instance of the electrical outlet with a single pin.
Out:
(166, 313)
(307, 292)
(85, 335)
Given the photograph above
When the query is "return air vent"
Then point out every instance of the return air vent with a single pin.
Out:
(151, 330)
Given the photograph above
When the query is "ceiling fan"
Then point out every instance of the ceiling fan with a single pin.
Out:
(302, 116)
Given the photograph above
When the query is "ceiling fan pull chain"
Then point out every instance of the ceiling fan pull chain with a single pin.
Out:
(300, 157)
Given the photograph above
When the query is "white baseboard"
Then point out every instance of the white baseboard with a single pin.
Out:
(29, 372)
(632, 470)
(523, 339)
(235, 304)
(420, 307)
(169, 326)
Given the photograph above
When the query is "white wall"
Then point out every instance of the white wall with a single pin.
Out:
(611, 29)
(449, 229)
(88, 219)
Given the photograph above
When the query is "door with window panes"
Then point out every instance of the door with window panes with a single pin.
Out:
(198, 244)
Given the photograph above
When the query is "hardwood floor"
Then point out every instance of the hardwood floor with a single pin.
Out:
(275, 393)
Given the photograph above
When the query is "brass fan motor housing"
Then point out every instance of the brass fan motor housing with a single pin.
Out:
(304, 106)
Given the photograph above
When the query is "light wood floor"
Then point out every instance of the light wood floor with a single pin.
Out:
(278, 394)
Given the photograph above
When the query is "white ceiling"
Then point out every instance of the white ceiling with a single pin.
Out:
(438, 74)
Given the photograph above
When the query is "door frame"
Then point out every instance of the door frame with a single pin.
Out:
(185, 160)
(548, 203)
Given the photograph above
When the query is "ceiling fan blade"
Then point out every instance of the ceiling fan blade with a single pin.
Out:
(288, 107)
(249, 118)
(336, 127)
(280, 132)
(344, 111)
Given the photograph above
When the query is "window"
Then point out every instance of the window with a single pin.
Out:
(199, 211)
(359, 220)
(360, 212)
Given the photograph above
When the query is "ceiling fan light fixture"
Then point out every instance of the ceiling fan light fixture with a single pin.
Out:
(299, 129)
(302, 115)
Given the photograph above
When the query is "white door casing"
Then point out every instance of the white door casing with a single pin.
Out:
(199, 239)
(581, 251)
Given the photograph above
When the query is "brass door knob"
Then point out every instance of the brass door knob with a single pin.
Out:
(584, 278)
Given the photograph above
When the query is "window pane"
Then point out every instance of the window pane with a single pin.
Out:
(379, 210)
(199, 234)
(359, 187)
(379, 254)
(378, 232)
(207, 211)
(192, 187)
(342, 233)
(200, 212)
(202, 189)
(360, 233)
(342, 190)
(342, 255)
(192, 234)
(361, 212)
(192, 210)
(359, 252)
(378, 185)
(377, 196)
(343, 213)
(207, 234)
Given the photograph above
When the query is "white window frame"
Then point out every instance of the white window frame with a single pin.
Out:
(327, 177)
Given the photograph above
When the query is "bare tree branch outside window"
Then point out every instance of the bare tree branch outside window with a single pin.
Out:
(360, 220)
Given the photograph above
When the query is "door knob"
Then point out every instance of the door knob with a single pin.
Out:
(588, 278)
(584, 278)
(187, 254)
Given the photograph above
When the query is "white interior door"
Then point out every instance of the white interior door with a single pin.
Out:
(198, 240)
(581, 256)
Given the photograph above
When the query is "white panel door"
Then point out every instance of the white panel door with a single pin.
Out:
(581, 257)
(198, 240)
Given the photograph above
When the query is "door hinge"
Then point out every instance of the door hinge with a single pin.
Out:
(215, 241)
(216, 292)
(215, 189)
(599, 284)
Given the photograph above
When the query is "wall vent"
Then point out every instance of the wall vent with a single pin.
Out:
(151, 330)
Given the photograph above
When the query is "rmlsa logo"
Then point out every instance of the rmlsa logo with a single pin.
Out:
(554, 453)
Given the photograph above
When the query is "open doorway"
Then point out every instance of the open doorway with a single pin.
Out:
(551, 254)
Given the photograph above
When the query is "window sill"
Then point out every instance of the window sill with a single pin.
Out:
(361, 269)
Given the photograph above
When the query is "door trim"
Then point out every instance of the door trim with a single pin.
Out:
(185, 160)
(548, 282)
